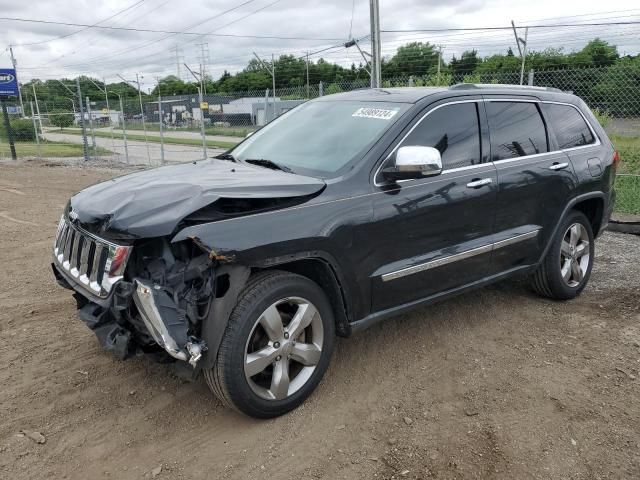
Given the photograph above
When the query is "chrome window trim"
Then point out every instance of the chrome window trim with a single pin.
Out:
(437, 107)
(439, 262)
(596, 143)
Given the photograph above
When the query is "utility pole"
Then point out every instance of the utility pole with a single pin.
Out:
(85, 147)
(15, 67)
(523, 49)
(376, 55)
(200, 97)
(177, 61)
(204, 60)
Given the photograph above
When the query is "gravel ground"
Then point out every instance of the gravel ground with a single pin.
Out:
(497, 383)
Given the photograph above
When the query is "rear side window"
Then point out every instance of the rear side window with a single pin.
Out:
(516, 130)
(569, 126)
(454, 130)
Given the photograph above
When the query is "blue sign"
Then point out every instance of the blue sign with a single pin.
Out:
(8, 83)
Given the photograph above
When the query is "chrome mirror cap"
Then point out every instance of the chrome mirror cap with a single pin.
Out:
(414, 162)
(426, 160)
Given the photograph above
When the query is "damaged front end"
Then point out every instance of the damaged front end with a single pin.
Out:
(153, 298)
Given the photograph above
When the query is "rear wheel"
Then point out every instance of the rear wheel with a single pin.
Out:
(566, 268)
(276, 347)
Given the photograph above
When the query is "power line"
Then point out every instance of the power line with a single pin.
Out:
(170, 32)
(475, 29)
(82, 30)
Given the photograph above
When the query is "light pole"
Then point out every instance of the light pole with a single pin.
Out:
(144, 125)
(124, 129)
(204, 138)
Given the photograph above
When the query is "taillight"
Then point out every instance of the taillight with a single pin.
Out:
(616, 159)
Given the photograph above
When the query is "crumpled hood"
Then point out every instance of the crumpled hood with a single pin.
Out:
(152, 203)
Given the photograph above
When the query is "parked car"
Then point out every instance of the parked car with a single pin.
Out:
(345, 211)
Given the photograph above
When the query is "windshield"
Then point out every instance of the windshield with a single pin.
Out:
(320, 138)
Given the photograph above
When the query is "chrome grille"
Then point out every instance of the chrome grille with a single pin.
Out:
(96, 264)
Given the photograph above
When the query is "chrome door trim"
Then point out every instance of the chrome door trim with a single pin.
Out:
(515, 239)
(439, 262)
(436, 263)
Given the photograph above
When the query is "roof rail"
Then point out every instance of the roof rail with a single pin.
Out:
(471, 86)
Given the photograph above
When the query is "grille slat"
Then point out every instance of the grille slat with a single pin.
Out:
(86, 258)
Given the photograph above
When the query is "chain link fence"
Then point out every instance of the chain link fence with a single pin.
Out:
(150, 131)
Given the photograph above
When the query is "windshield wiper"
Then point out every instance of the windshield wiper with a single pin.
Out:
(226, 156)
(263, 162)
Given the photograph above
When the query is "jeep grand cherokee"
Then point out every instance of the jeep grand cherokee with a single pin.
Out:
(347, 210)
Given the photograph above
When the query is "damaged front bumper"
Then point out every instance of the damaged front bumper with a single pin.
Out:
(165, 323)
(162, 323)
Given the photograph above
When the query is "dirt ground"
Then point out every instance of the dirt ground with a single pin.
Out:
(497, 383)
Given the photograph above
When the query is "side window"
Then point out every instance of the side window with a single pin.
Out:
(452, 129)
(569, 126)
(516, 130)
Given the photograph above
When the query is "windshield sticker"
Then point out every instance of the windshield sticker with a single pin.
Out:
(375, 113)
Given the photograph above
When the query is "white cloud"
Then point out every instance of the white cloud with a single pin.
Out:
(105, 53)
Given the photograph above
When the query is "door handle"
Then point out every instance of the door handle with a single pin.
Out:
(558, 166)
(479, 183)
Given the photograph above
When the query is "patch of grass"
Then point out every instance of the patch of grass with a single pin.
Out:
(154, 139)
(629, 149)
(628, 194)
(224, 131)
(48, 149)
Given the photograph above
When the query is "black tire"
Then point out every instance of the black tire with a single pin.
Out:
(227, 377)
(547, 280)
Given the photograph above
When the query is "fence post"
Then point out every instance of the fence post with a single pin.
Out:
(85, 147)
(7, 125)
(320, 89)
(35, 97)
(530, 79)
(93, 135)
(204, 138)
(411, 80)
(161, 132)
(266, 105)
(124, 131)
(35, 129)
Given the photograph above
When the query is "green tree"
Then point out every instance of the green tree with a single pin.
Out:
(61, 118)
(415, 58)
(466, 64)
(597, 53)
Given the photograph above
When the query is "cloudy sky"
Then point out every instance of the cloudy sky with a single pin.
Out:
(48, 50)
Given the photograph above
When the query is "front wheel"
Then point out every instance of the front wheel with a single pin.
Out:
(276, 347)
(565, 270)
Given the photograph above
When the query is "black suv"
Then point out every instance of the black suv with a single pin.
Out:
(344, 211)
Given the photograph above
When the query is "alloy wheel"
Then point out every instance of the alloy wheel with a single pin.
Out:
(575, 255)
(284, 348)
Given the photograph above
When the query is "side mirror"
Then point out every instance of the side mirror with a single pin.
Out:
(414, 162)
